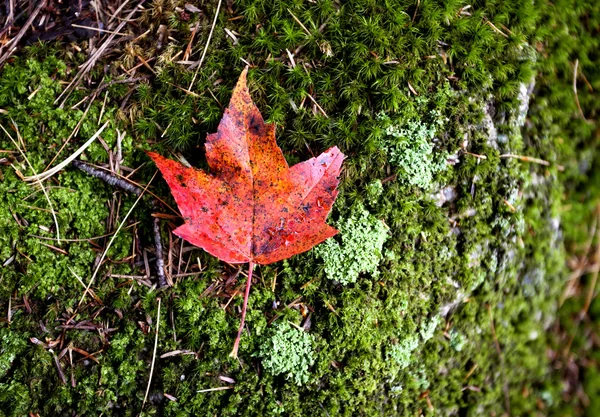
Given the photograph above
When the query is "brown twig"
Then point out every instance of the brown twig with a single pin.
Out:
(526, 159)
(495, 28)
(61, 374)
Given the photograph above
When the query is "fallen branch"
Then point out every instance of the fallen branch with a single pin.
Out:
(160, 263)
(108, 178)
(118, 182)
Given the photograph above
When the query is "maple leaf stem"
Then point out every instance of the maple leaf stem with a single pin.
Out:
(236, 344)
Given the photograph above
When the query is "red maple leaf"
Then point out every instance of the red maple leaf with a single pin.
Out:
(252, 207)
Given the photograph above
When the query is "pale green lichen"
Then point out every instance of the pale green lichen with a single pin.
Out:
(457, 340)
(428, 330)
(374, 190)
(360, 250)
(401, 353)
(288, 351)
(410, 149)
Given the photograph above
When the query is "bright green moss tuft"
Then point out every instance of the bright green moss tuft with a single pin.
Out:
(288, 351)
(360, 250)
(10, 347)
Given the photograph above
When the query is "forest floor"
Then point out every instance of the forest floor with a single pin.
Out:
(464, 277)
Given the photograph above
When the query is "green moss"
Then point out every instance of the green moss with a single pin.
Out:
(11, 348)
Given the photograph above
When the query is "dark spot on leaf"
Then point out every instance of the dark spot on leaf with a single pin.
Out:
(255, 125)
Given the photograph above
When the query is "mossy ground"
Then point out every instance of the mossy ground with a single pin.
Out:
(455, 321)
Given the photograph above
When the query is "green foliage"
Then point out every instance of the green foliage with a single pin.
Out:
(360, 249)
(289, 351)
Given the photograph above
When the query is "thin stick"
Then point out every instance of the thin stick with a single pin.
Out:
(214, 389)
(98, 29)
(73, 133)
(47, 174)
(590, 294)
(188, 50)
(318, 106)
(112, 239)
(38, 181)
(59, 368)
(98, 167)
(191, 93)
(495, 28)
(299, 22)
(526, 159)
(153, 355)
(575, 90)
(236, 344)
(82, 240)
(416, 10)
(91, 292)
(212, 28)
(116, 13)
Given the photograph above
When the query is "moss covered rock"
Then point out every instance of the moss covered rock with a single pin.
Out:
(465, 147)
